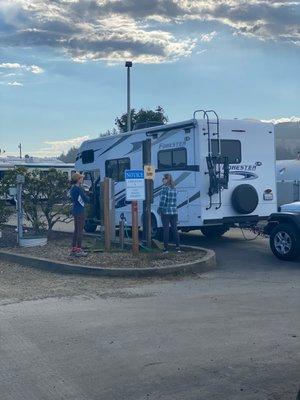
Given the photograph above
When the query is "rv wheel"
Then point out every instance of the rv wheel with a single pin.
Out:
(90, 226)
(214, 231)
(285, 242)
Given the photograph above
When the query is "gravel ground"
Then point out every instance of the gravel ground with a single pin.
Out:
(58, 248)
(18, 283)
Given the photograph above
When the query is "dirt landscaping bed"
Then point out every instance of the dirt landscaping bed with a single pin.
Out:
(58, 249)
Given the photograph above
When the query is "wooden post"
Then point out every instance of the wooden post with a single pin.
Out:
(135, 228)
(106, 214)
(121, 233)
(148, 189)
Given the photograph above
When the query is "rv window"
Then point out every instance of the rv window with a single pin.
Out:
(124, 164)
(111, 169)
(172, 159)
(179, 158)
(115, 169)
(165, 159)
(229, 148)
(87, 156)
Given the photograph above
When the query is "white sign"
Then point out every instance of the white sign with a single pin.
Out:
(149, 172)
(135, 185)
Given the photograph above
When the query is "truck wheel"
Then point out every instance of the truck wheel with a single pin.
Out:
(285, 242)
(214, 231)
(90, 227)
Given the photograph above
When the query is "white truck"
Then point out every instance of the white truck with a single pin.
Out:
(288, 181)
(224, 171)
(284, 231)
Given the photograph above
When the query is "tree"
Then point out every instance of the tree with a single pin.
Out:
(142, 116)
(70, 156)
(109, 132)
(5, 212)
(45, 196)
(54, 196)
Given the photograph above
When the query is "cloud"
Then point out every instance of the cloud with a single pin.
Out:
(34, 69)
(261, 19)
(208, 37)
(148, 31)
(282, 120)
(55, 148)
(15, 83)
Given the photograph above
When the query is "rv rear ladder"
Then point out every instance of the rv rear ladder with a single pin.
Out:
(215, 162)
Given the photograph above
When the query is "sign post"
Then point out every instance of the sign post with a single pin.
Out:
(135, 191)
(135, 228)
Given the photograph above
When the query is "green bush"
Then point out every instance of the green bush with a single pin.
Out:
(45, 196)
(5, 212)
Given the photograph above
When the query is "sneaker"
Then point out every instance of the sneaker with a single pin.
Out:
(178, 250)
(80, 253)
(73, 251)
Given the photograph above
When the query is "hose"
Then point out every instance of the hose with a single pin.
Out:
(249, 239)
(145, 248)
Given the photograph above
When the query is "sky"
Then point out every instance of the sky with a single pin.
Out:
(63, 79)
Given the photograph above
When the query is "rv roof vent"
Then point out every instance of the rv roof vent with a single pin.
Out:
(148, 124)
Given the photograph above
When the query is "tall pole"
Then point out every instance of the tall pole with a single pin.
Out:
(128, 65)
(148, 191)
(106, 214)
(20, 148)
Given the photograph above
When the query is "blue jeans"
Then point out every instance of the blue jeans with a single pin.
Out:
(167, 221)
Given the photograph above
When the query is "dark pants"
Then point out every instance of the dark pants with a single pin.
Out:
(78, 229)
(167, 221)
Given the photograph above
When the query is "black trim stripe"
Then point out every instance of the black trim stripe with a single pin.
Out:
(186, 168)
(166, 129)
(190, 200)
(236, 219)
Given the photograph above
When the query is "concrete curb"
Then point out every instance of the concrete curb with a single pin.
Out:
(206, 263)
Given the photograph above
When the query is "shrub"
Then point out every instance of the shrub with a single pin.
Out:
(45, 196)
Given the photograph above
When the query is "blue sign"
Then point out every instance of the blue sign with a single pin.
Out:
(134, 174)
(135, 185)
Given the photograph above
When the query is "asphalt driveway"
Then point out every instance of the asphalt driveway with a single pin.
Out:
(232, 333)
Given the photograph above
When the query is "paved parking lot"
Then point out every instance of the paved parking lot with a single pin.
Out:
(232, 333)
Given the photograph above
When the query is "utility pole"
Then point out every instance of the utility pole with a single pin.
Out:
(20, 149)
(128, 65)
(107, 214)
(149, 195)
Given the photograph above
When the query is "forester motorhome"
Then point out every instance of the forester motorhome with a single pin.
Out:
(224, 170)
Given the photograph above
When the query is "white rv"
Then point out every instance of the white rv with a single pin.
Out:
(31, 164)
(224, 170)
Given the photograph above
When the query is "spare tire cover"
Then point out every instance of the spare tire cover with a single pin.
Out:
(244, 199)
